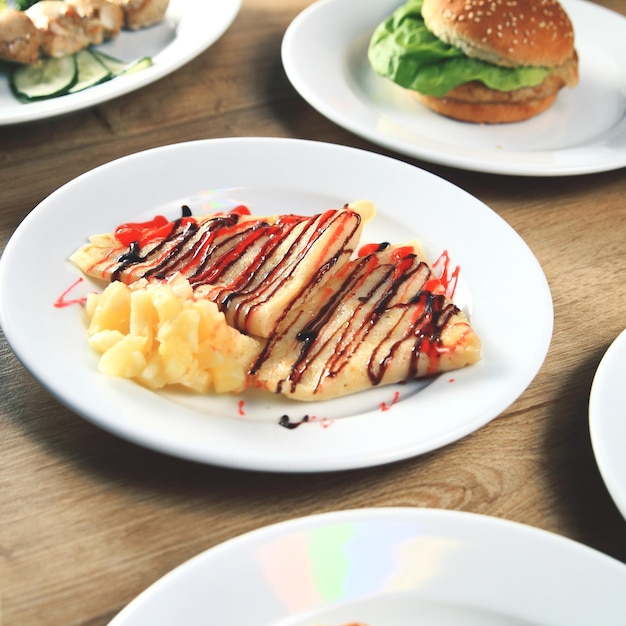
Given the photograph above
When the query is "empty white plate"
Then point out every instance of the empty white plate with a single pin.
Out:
(607, 420)
(389, 567)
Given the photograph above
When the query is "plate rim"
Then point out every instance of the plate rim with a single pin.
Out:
(438, 156)
(599, 430)
(182, 447)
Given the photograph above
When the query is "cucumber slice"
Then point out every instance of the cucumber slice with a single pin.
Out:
(118, 68)
(115, 66)
(90, 71)
(136, 66)
(48, 78)
(56, 77)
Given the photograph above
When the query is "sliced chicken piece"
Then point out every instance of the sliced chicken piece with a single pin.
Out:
(102, 19)
(56, 28)
(142, 13)
(61, 27)
(19, 38)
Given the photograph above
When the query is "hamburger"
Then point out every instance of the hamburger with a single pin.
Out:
(483, 61)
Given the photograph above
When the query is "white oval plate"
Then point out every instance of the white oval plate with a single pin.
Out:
(607, 420)
(502, 287)
(188, 29)
(389, 567)
(585, 131)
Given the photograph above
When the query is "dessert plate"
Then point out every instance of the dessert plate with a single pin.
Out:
(188, 29)
(607, 420)
(499, 277)
(585, 131)
(384, 567)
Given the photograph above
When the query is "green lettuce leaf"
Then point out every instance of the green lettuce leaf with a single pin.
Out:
(22, 5)
(405, 51)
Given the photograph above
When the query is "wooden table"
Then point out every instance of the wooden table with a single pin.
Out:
(87, 521)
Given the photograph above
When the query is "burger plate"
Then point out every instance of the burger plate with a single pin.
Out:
(583, 132)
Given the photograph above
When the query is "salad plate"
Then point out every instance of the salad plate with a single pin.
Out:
(583, 132)
(389, 567)
(189, 28)
(607, 420)
(498, 276)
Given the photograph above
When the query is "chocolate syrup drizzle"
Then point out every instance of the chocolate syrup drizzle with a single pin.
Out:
(209, 254)
(424, 314)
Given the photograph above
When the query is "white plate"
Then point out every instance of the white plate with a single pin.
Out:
(607, 420)
(585, 131)
(188, 29)
(502, 287)
(389, 567)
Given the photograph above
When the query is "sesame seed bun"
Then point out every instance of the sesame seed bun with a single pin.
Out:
(508, 33)
(504, 32)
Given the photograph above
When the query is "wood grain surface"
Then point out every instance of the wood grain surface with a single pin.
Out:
(88, 521)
